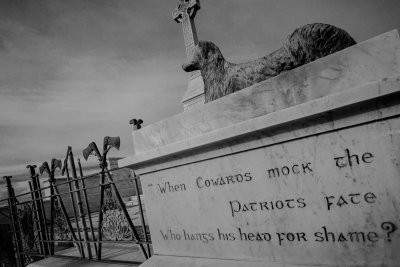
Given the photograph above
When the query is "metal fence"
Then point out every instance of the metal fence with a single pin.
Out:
(41, 223)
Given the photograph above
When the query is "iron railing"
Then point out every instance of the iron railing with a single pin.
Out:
(43, 221)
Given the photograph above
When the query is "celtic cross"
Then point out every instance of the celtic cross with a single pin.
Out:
(185, 14)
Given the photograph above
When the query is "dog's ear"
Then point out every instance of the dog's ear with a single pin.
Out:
(210, 51)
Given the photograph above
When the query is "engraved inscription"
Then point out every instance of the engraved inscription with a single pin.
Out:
(333, 194)
(291, 169)
(240, 207)
(350, 199)
(350, 160)
(223, 180)
(168, 187)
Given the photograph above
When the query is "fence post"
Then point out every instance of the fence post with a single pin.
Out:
(79, 201)
(14, 220)
(99, 234)
(72, 198)
(135, 179)
(51, 232)
(38, 205)
(43, 212)
(87, 204)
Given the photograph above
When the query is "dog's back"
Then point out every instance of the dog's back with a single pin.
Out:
(316, 40)
(305, 44)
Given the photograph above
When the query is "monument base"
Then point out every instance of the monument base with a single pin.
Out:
(302, 169)
(163, 261)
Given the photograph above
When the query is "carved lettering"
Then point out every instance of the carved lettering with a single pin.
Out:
(272, 173)
(350, 159)
(225, 236)
(223, 180)
(306, 167)
(167, 187)
(350, 199)
(170, 235)
(297, 237)
(254, 236)
(286, 170)
(353, 237)
(204, 237)
(275, 212)
(241, 207)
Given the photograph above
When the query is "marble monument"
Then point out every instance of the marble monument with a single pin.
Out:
(302, 169)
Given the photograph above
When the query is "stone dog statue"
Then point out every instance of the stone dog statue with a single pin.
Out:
(304, 45)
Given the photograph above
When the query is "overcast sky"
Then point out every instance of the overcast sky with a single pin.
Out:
(74, 71)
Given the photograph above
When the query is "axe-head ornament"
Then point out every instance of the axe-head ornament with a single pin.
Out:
(112, 142)
(92, 148)
(44, 168)
(56, 163)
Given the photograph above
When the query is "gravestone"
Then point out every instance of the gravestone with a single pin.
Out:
(302, 169)
(184, 14)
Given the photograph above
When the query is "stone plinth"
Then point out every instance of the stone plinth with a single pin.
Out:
(194, 95)
(300, 170)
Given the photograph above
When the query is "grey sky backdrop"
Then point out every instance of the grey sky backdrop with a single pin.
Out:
(74, 71)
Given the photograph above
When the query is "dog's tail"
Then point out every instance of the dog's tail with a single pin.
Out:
(316, 40)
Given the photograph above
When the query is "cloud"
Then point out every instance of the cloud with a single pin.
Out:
(2, 46)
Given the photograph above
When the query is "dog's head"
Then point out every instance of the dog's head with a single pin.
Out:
(204, 53)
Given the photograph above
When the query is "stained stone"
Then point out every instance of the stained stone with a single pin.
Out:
(299, 170)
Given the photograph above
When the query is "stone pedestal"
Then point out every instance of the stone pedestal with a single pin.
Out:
(194, 95)
(300, 170)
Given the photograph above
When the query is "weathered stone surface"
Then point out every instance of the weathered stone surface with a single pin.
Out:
(194, 95)
(305, 44)
(294, 195)
(298, 121)
(162, 261)
(365, 62)
(308, 175)
(323, 195)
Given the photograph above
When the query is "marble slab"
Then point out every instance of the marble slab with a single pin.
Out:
(368, 61)
(300, 170)
(371, 101)
(163, 261)
(194, 95)
(326, 199)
